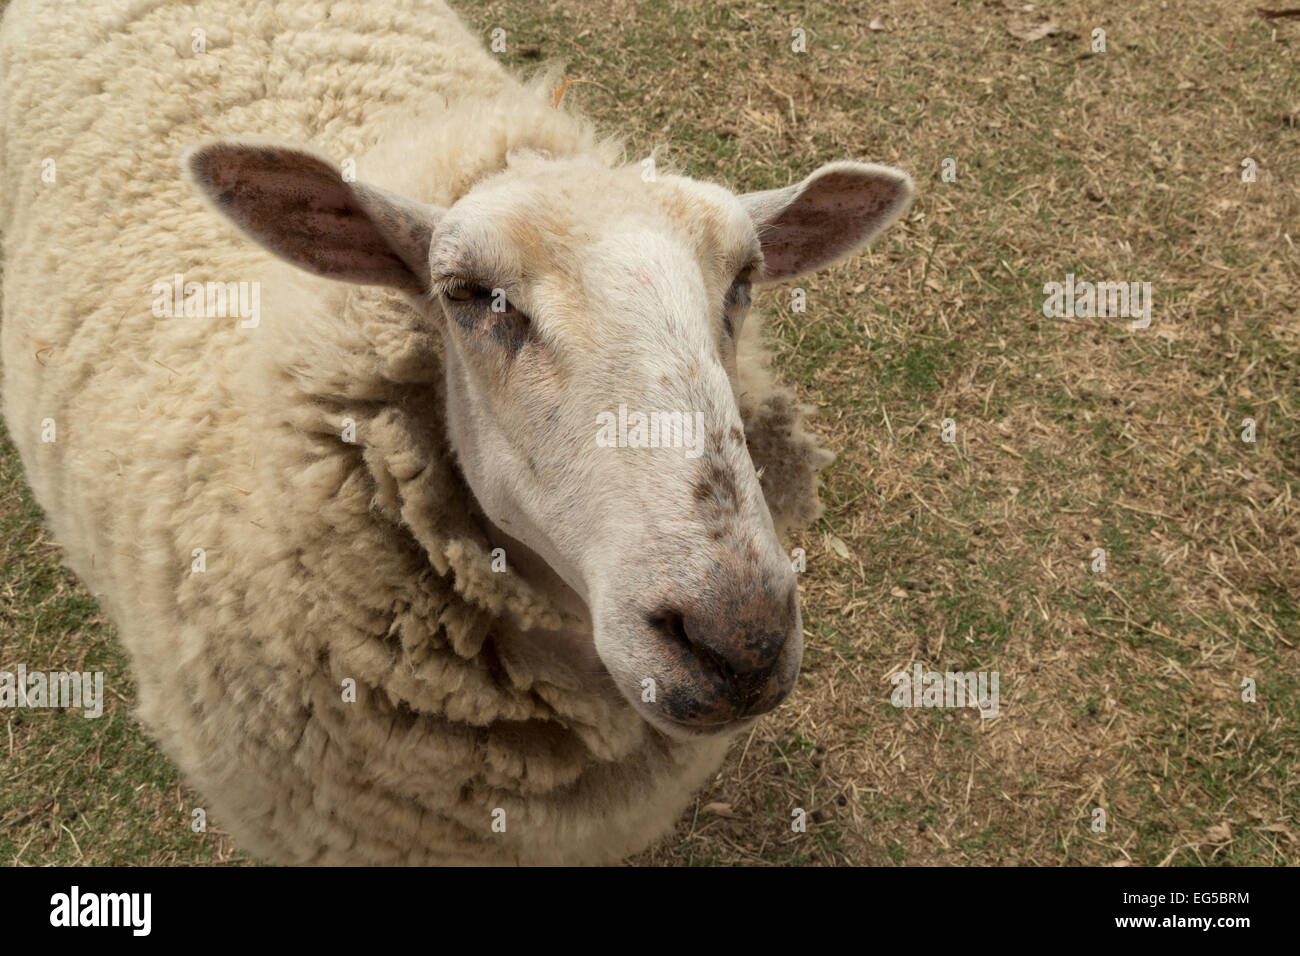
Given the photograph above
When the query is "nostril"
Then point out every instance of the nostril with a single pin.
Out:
(672, 625)
(728, 653)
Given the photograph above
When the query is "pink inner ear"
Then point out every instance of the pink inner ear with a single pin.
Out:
(300, 208)
(832, 216)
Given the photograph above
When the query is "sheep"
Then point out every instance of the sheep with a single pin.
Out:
(358, 465)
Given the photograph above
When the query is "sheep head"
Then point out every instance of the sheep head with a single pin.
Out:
(592, 319)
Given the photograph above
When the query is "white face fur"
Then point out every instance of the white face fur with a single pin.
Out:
(579, 302)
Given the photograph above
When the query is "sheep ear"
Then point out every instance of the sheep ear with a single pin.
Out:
(298, 206)
(834, 212)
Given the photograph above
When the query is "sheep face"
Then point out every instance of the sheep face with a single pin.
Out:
(593, 325)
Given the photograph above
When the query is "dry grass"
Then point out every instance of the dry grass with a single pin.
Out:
(1119, 690)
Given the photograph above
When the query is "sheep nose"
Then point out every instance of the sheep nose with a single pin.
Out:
(739, 649)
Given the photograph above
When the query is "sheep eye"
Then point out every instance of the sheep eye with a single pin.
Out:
(737, 300)
(463, 293)
(740, 285)
(738, 294)
(493, 300)
(487, 313)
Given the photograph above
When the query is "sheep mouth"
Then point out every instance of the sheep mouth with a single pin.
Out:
(697, 694)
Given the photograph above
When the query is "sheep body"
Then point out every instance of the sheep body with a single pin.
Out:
(255, 563)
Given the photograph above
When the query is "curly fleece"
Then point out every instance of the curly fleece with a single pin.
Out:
(325, 560)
